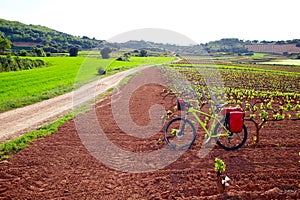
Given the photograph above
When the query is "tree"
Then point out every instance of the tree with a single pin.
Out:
(73, 51)
(105, 52)
(286, 53)
(38, 51)
(4, 44)
(23, 52)
(143, 53)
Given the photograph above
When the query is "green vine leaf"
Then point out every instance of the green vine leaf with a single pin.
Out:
(219, 165)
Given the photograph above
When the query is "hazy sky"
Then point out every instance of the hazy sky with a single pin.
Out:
(199, 20)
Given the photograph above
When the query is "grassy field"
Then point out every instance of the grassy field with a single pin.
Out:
(284, 62)
(22, 88)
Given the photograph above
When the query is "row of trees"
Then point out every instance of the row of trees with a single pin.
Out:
(9, 63)
(5, 45)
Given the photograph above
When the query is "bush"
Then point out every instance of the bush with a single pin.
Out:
(101, 71)
(125, 57)
(38, 52)
(23, 52)
(9, 63)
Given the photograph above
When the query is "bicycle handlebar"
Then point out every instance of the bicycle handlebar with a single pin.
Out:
(213, 98)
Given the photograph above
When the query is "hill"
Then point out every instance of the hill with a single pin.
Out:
(274, 48)
(26, 36)
(230, 45)
(226, 45)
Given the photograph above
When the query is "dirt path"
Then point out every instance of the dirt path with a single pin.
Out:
(19, 121)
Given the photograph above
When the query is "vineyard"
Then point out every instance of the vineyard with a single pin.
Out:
(274, 48)
(59, 165)
(265, 93)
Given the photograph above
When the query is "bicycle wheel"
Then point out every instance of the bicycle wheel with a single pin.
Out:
(180, 133)
(231, 142)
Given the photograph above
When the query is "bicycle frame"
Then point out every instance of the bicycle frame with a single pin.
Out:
(194, 112)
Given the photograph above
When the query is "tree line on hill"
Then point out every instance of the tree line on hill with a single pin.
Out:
(50, 40)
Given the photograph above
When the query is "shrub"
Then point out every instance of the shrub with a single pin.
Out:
(38, 52)
(101, 71)
(23, 52)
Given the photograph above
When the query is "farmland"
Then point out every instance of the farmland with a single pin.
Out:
(273, 48)
(265, 167)
(268, 170)
(284, 62)
(76, 126)
(29, 86)
(265, 93)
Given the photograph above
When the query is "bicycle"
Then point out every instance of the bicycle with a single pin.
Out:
(180, 132)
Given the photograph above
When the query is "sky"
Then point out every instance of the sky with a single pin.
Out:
(172, 21)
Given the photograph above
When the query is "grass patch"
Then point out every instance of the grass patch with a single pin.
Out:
(258, 55)
(26, 87)
(8, 149)
(290, 62)
(137, 61)
(89, 53)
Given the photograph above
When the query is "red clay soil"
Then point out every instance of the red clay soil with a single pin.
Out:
(60, 167)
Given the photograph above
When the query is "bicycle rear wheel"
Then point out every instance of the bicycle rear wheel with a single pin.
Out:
(231, 142)
(180, 133)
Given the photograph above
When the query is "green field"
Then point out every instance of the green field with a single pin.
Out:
(284, 62)
(22, 88)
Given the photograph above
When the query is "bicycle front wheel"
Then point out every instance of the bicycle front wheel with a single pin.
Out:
(231, 142)
(180, 133)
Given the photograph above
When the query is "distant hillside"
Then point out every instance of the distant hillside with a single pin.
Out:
(147, 45)
(230, 45)
(227, 45)
(25, 36)
(22, 35)
(274, 48)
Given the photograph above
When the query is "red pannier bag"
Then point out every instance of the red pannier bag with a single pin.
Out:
(234, 121)
(225, 111)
